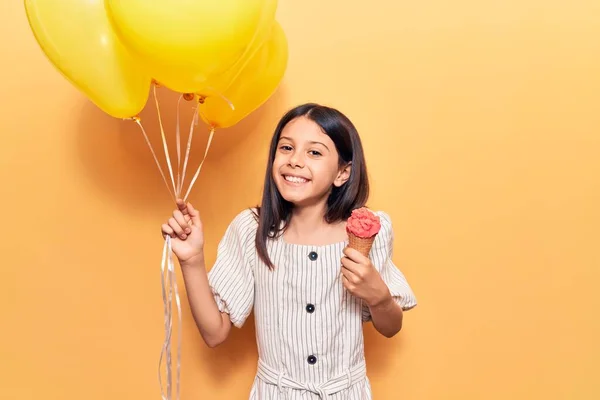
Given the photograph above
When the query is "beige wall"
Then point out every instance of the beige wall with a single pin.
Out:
(481, 126)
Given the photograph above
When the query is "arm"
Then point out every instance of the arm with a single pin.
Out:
(362, 280)
(387, 316)
(185, 229)
(214, 326)
(376, 279)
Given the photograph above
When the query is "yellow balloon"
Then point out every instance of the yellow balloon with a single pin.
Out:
(78, 39)
(182, 43)
(252, 87)
(219, 83)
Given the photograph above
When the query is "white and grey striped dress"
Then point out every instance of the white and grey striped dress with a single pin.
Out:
(308, 328)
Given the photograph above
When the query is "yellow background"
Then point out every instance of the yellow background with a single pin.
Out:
(481, 126)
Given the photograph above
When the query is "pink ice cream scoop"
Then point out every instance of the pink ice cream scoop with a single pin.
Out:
(363, 223)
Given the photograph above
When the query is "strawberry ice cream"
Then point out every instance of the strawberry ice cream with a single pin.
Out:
(362, 227)
(363, 223)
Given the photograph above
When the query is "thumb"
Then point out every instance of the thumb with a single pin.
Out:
(194, 214)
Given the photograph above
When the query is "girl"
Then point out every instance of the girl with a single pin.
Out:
(288, 261)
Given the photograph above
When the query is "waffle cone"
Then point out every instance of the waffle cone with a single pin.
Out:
(363, 245)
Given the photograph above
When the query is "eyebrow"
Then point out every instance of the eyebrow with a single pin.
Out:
(311, 142)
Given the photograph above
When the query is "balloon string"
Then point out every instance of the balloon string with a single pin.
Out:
(178, 141)
(173, 280)
(210, 138)
(164, 140)
(168, 276)
(189, 146)
(169, 288)
(139, 122)
(169, 327)
(167, 316)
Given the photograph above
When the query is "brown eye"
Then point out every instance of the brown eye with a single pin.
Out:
(315, 153)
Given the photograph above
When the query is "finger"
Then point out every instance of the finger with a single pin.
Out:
(177, 228)
(194, 214)
(181, 206)
(347, 284)
(167, 231)
(182, 220)
(355, 255)
(350, 276)
(352, 266)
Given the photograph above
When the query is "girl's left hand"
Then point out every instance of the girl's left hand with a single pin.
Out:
(361, 279)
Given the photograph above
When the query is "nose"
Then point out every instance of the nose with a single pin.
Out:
(296, 160)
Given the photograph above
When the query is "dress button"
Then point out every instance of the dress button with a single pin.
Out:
(312, 360)
(313, 256)
(310, 308)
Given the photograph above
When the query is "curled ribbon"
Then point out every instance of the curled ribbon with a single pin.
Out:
(169, 287)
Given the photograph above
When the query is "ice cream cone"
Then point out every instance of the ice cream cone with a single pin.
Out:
(363, 245)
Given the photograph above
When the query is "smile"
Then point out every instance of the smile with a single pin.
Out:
(294, 179)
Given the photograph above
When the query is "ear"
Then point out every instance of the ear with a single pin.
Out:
(343, 175)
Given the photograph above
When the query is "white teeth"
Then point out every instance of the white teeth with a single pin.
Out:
(295, 179)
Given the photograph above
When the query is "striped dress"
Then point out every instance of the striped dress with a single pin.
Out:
(308, 328)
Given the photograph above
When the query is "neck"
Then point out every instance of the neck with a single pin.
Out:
(308, 226)
(305, 219)
(310, 214)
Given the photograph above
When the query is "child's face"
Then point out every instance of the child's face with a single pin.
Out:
(306, 163)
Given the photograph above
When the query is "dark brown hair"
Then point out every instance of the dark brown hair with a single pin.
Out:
(275, 212)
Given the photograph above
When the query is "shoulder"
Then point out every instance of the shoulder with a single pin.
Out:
(246, 217)
(386, 222)
(384, 218)
(386, 233)
(245, 224)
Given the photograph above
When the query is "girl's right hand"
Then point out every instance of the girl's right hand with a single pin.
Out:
(185, 230)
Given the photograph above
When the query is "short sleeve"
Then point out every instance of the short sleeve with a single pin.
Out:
(232, 276)
(381, 257)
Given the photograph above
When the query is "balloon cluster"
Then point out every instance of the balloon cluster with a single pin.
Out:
(227, 55)
(231, 54)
